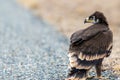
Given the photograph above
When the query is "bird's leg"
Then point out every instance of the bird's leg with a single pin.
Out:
(98, 69)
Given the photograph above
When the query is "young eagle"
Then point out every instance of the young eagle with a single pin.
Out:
(88, 47)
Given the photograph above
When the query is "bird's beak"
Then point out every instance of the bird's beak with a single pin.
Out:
(87, 20)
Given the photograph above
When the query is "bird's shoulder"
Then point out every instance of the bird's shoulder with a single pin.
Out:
(76, 35)
(84, 34)
(108, 36)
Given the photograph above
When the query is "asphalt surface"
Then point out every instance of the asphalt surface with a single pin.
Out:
(30, 49)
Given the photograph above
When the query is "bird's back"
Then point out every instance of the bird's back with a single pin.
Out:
(89, 45)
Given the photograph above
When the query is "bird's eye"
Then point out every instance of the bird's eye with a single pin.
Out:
(92, 17)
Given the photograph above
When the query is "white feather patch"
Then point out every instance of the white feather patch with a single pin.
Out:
(94, 57)
(87, 58)
(111, 44)
(83, 67)
(72, 59)
(81, 56)
(70, 54)
(73, 64)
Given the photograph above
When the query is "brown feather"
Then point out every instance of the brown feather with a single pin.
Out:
(88, 47)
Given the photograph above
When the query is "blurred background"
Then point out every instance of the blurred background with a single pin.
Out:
(68, 15)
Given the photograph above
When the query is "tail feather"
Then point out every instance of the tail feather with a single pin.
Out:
(79, 74)
(79, 67)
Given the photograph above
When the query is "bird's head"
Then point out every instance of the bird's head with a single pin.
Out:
(96, 17)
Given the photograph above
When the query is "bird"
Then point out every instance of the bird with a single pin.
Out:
(88, 47)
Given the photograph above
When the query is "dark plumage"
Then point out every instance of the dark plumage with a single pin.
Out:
(88, 47)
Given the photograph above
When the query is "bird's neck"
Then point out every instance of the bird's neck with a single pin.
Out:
(102, 23)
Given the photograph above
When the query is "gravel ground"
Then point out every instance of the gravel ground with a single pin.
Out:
(30, 49)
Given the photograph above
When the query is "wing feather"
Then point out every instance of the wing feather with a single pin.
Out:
(97, 47)
(82, 35)
(90, 45)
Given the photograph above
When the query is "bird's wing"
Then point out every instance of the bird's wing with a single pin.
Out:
(87, 53)
(82, 35)
(109, 36)
(97, 47)
(75, 37)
